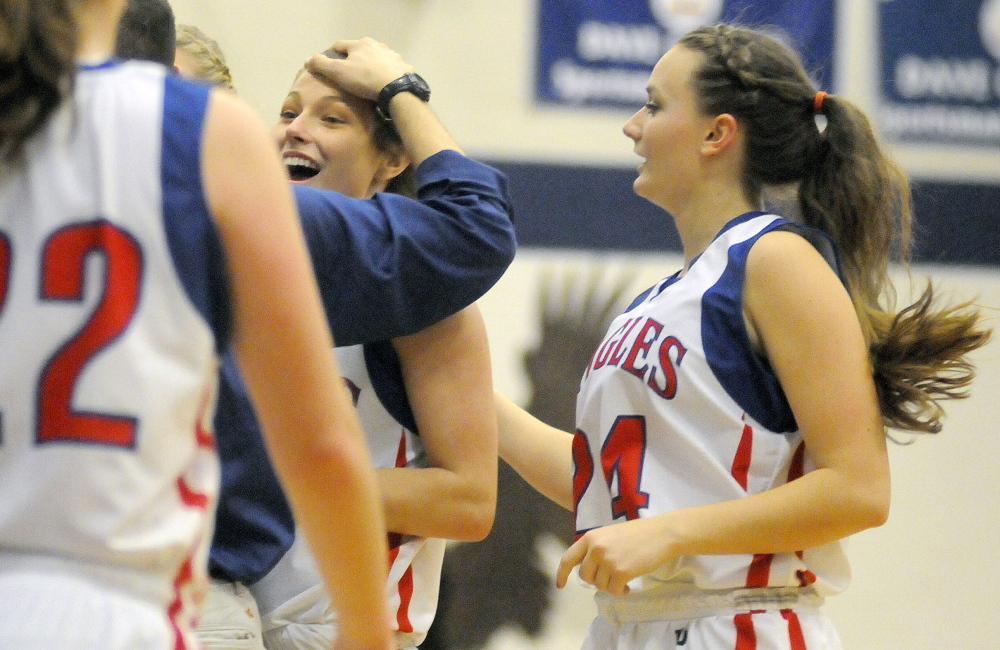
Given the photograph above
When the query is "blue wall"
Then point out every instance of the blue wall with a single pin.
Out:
(594, 208)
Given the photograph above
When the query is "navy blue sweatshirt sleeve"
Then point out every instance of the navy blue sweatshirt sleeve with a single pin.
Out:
(391, 265)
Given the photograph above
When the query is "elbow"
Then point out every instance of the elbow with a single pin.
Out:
(476, 519)
(877, 514)
(872, 510)
(479, 525)
(499, 237)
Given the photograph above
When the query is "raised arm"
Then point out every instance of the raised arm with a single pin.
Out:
(391, 266)
(446, 370)
(367, 68)
(283, 347)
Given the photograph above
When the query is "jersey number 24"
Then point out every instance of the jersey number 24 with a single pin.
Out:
(621, 462)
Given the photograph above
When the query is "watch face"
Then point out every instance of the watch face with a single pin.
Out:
(410, 82)
(418, 86)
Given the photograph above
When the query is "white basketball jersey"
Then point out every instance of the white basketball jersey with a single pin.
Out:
(292, 591)
(107, 366)
(676, 410)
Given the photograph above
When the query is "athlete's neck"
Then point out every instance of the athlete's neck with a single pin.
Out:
(97, 28)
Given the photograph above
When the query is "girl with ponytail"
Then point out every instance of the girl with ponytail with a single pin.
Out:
(731, 428)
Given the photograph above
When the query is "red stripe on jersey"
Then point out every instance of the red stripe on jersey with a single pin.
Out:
(746, 636)
(796, 639)
(405, 596)
(795, 470)
(189, 497)
(184, 576)
(797, 467)
(405, 585)
(4, 268)
(401, 451)
(759, 573)
(744, 452)
(203, 436)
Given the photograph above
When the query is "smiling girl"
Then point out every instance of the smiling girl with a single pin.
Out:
(425, 400)
(731, 428)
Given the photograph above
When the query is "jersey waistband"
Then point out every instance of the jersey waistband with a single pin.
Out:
(153, 588)
(685, 602)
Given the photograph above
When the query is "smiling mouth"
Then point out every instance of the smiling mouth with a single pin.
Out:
(300, 169)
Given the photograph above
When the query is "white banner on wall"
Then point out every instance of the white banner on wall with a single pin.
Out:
(940, 69)
(600, 52)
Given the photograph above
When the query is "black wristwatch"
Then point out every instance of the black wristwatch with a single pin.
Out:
(410, 82)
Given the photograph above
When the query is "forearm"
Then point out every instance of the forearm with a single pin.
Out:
(446, 371)
(422, 133)
(816, 509)
(821, 507)
(434, 502)
(541, 454)
(334, 520)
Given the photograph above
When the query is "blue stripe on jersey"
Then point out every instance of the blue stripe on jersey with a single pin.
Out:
(638, 299)
(191, 233)
(745, 375)
(110, 63)
(386, 376)
(722, 322)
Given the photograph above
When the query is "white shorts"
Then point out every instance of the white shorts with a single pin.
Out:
(681, 617)
(770, 630)
(305, 621)
(229, 619)
(43, 610)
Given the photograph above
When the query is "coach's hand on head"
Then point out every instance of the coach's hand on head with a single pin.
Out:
(364, 69)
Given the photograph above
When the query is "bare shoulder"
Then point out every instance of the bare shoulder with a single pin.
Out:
(783, 251)
(232, 121)
(785, 259)
(230, 105)
(787, 278)
(241, 166)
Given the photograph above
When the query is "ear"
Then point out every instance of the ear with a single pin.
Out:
(392, 166)
(722, 134)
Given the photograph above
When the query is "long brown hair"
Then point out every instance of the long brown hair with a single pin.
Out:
(849, 188)
(37, 50)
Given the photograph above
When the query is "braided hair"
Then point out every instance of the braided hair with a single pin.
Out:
(211, 62)
(849, 188)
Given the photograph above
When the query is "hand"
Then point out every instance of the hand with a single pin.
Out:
(612, 555)
(366, 69)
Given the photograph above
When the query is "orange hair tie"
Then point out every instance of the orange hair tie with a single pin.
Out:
(818, 103)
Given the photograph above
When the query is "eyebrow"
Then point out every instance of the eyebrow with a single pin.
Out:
(339, 99)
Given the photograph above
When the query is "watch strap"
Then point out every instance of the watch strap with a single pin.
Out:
(410, 82)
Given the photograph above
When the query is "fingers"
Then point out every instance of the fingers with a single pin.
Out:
(572, 557)
(324, 66)
(595, 567)
(362, 67)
